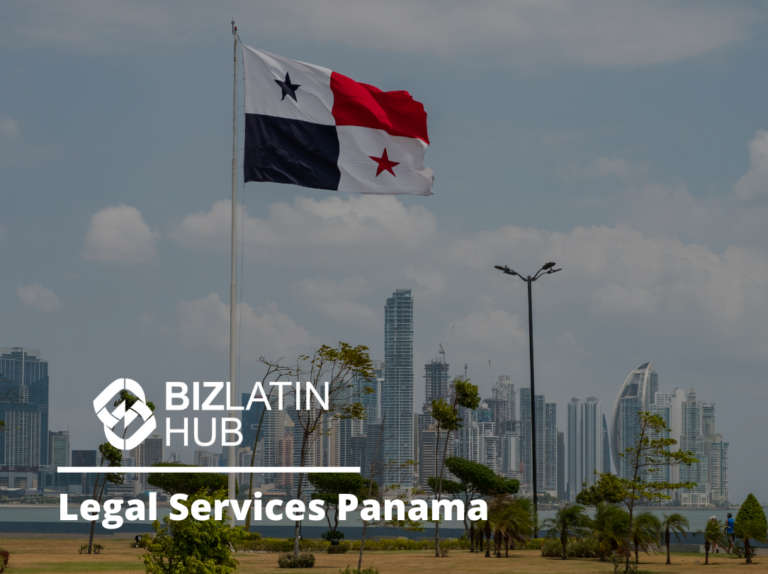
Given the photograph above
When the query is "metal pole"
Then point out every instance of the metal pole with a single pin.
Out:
(535, 471)
(233, 281)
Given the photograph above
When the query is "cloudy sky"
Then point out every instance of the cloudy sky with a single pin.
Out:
(625, 141)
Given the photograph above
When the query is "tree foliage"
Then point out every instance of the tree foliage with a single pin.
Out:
(750, 524)
(328, 487)
(676, 523)
(570, 522)
(650, 454)
(192, 546)
(172, 483)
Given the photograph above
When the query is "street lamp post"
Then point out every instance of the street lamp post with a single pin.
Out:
(546, 269)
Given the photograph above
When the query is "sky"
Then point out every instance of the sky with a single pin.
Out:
(627, 142)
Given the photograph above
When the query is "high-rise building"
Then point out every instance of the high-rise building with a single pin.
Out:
(205, 458)
(606, 447)
(698, 418)
(397, 390)
(633, 399)
(561, 465)
(148, 453)
(585, 443)
(436, 383)
(546, 442)
(23, 407)
(503, 402)
(58, 448)
(717, 456)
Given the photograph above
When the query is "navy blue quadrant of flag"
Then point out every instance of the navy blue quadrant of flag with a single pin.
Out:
(283, 150)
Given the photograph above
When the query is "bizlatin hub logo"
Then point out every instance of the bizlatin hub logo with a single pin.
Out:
(111, 419)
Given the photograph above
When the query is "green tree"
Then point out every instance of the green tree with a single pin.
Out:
(676, 523)
(172, 483)
(192, 546)
(650, 454)
(609, 525)
(713, 535)
(447, 418)
(337, 367)
(750, 523)
(569, 522)
(645, 533)
(112, 457)
(607, 488)
(328, 487)
(477, 481)
(512, 518)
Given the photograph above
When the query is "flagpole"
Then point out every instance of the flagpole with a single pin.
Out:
(233, 282)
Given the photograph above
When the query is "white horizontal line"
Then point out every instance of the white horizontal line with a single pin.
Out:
(198, 469)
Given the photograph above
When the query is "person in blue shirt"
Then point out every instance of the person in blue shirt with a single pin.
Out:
(729, 532)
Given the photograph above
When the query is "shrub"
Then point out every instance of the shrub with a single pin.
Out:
(143, 542)
(96, 548)
(5, 555)
(534, 543)
(342, 548)
(332, 535)
(291, 561)
(349, 570)
(443, 552)
(551, 548)
(587, 548)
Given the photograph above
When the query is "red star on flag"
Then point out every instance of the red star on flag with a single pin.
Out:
(384, 163)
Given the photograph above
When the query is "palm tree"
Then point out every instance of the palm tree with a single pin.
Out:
(713, 534)
(676, 523)
(750, 529)
(512, 518)
(609, 526)
(570, 521)
(645, 533)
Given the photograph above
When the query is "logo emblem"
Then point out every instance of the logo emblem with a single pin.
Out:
(111, 419)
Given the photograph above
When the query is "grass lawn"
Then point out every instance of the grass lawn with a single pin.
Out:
(43, 556)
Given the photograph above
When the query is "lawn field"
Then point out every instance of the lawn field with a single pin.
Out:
(43, 556)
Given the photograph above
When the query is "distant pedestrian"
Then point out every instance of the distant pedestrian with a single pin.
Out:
(729, 532)
(715, 547)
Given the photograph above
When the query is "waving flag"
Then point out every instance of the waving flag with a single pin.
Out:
(312, 127)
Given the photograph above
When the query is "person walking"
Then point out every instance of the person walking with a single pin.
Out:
(715, 546)
(729, 532)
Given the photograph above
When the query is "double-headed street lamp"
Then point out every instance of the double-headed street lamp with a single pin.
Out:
(546, 269)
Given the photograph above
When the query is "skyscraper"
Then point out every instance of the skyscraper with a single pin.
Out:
(435, 381)
(546, 442)
(24, 407)
(148, 453)
(633, 398)
(585, 443)
(561, 465)
(397, 390)
(58, 448)
(606, 447)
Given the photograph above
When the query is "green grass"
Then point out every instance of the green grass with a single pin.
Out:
(78, 567)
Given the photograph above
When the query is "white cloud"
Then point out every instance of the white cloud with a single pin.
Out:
(263, 332)
(597, 33)
(36, 296)
(335, 299)
(119, 234)
(8, 126)
(754, 184)
(328, 232)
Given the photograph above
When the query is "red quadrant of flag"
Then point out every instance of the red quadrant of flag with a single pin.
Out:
(396, 113)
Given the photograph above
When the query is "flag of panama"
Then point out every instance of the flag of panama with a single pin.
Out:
(310, 126)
